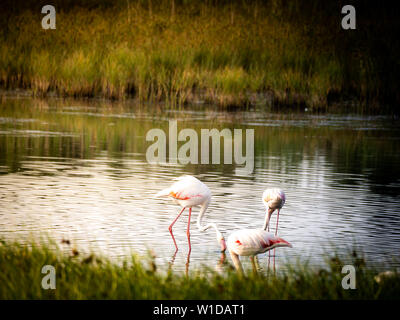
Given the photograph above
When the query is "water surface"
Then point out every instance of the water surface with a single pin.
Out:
(77, 170)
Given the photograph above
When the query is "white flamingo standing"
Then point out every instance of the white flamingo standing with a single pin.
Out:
(189, 192)
(251, 242)
(273, 199)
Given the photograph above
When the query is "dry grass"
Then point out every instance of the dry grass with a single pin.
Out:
(229, 54)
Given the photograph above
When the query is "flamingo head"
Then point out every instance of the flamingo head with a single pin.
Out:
(278, 242)
(221, 240)
(283, 198)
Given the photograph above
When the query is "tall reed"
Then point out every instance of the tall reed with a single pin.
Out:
(244, 53)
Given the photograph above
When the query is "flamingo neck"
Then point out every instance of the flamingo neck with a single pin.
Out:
(267, 218)
(236, 262)
(209, 225)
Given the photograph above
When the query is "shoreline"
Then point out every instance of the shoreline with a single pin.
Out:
(231, 55)
(258, 102)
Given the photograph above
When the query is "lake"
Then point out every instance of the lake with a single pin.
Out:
(77, 170)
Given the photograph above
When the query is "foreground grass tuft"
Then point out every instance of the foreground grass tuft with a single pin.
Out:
(80, 276)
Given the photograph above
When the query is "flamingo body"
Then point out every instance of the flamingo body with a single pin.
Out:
(189, 192)
(251, 242)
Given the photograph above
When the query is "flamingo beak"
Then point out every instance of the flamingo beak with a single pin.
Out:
(279, 242)
(223, 245)
(282, 241)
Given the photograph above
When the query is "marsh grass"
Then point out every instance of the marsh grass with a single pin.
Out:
(232, 54)
(87, 276)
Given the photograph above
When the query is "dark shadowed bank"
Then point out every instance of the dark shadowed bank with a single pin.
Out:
(82, 276)
(245, 53)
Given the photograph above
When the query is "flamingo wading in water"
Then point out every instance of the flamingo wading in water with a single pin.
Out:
(189, 192)
(273, 199)
(251, 242)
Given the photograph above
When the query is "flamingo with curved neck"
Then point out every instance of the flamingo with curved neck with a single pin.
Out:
(273, 199)
(251, 242)
(189, 192)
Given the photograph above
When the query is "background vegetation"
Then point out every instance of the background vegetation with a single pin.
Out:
(240, 53)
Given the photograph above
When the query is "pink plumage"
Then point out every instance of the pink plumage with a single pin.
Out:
(250, 242)
(273, 199)
(189, 192)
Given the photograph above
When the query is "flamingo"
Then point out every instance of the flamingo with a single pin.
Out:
(189, 192)
(251, 242)
(273, 199)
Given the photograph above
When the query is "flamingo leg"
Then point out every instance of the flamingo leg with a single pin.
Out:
(188, 230)
(276, 232)
(187, 264)
(269, 251)
(170, 228)
(171, 263)
(277, 221)
(253, 265)
(256, 261)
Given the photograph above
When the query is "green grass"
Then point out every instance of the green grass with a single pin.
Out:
(89, 277)
(246, 53)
